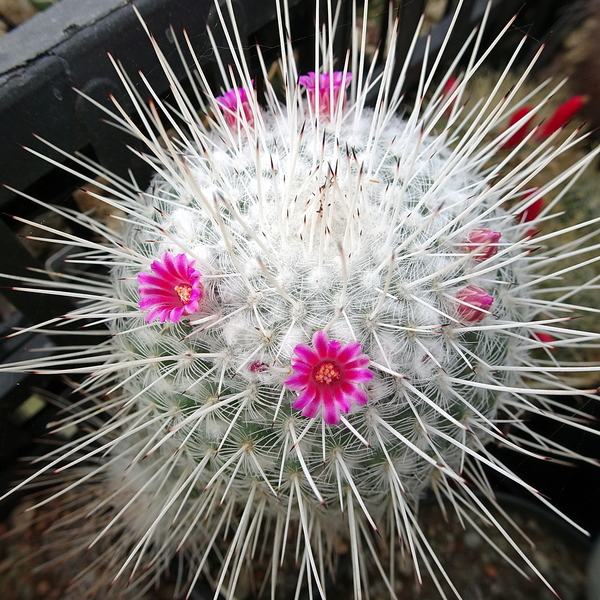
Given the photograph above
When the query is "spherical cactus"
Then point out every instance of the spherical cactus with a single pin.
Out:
(318, 311)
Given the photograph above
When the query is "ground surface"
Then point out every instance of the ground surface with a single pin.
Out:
(478, 571)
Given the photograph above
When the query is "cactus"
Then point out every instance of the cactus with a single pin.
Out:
(319, 311)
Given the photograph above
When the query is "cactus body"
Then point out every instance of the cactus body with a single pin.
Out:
(318, 311)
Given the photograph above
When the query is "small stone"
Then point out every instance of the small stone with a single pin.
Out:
(491, 571)
(22, 517)
(341, 544)
(16, 12)
(5, 565)
(43, 588)
(542, 562)
(88, 201)
(472, 540)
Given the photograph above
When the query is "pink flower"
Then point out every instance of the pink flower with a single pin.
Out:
(327, 376)
(472, 301)
(236, 107)
(329, 87)
(172, 290)
(485, 240)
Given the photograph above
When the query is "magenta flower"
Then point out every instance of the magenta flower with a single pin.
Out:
(172, 290)
(236, 107)
(472, 302)
(485, 240)
(326, 377)
(329, 86)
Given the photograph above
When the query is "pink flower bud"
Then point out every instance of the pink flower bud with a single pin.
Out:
(258, 367)
(532, 212)
(561, 116)
(473, 303)
(519, 135)
(485, 240)
(449, 88)
(545, 338)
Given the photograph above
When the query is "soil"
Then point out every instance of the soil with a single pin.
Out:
(475, 568)
(480, 573)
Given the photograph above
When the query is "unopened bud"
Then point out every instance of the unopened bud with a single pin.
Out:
(545, 338)
(473, 303)
(484, 240)
(561, 116)
(532, 211)
(519, 135)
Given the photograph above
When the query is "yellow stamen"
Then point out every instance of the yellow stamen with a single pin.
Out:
(327, 373)
(184, 291)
